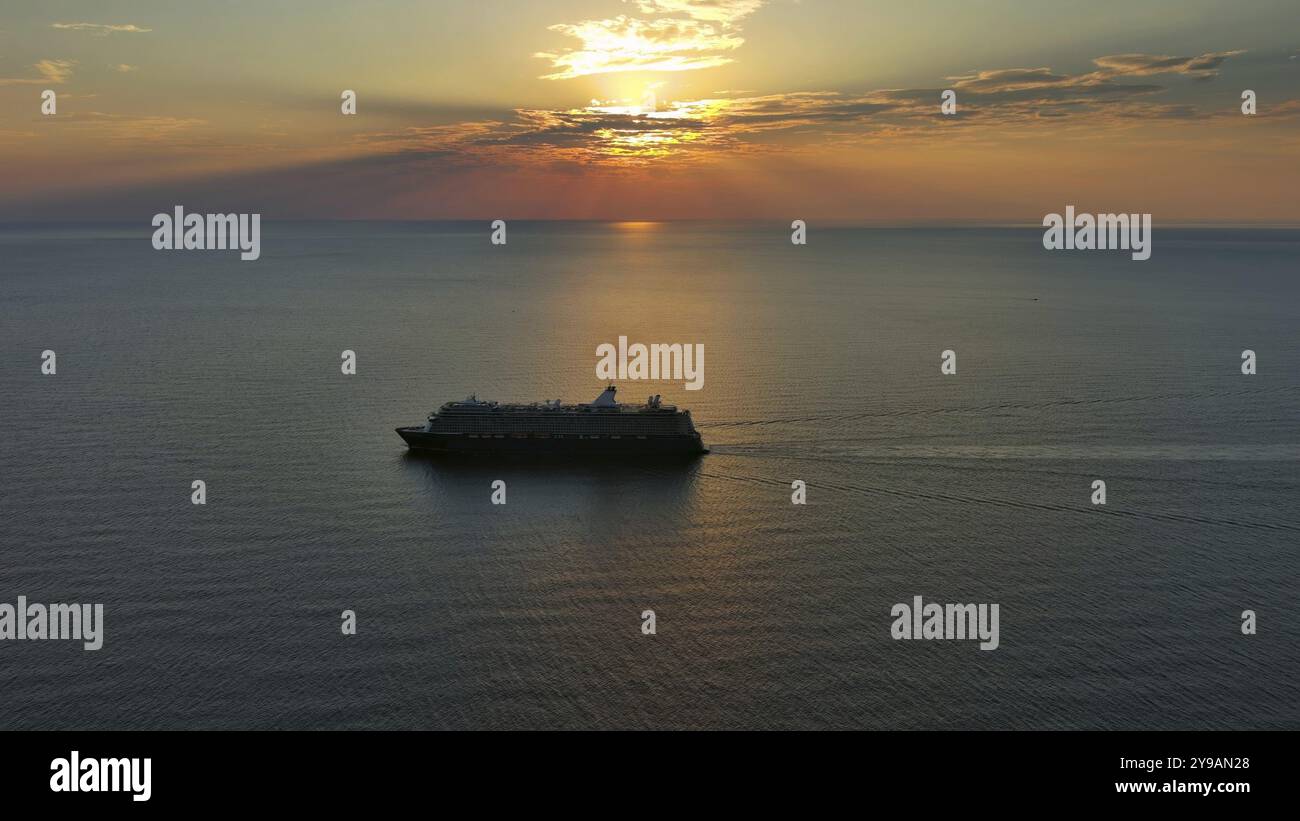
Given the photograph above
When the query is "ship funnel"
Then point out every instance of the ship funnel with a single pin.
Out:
(606, 399)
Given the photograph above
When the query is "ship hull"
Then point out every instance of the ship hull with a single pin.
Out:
(421, 440)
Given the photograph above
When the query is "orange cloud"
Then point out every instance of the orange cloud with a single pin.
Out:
(53, 72)
(102, 29)
(624, 134)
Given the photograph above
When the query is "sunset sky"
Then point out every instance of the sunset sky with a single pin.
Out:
(652, 109)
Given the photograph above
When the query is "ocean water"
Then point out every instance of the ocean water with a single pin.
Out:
(822, 364)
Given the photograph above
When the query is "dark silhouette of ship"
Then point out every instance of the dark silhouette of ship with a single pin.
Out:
(602, 427)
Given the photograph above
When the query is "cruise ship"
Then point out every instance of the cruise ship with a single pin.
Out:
(602, 427)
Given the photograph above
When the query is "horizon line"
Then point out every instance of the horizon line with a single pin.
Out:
(895, 224)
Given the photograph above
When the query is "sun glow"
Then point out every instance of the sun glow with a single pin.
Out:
(644, 132)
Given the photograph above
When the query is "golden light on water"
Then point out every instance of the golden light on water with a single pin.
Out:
(638, 225)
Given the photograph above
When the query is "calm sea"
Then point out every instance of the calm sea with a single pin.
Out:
(822, 364)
